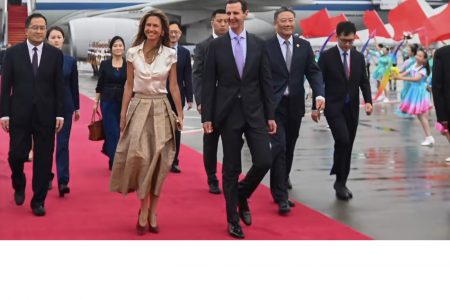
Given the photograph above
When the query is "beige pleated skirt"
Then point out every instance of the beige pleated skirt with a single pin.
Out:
(146, 149)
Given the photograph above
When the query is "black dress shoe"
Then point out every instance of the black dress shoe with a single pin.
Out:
(214, 188)
(284, 208)
(63, 189)
(19, 197)
(289, 184)
(175, 169)
(235, 231)
(350, 194)
(38, 211)
(244, 212)
(341, 192)
(291, 203)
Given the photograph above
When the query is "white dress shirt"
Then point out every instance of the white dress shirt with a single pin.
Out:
(341, 52)
(31, 51)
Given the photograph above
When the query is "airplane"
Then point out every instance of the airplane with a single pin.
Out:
(98, 20)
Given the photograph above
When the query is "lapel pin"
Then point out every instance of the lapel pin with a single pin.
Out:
(298, 45)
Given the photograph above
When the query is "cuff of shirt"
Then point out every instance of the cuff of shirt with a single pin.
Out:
(4, 118)
(320, 98)
(60, 118)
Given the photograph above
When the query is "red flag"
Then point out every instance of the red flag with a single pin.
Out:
(436, 28)
(316, 25)
(407, 17)
(333, 23)
(374, 24)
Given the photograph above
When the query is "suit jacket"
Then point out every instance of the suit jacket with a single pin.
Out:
(199, 61)
(303, 64)
(222, 85)
(21, 88)
(71, 91)
(440, 81)
(337, 87)
(184, 77)
(109, 86)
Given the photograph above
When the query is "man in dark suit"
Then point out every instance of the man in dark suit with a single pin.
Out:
(237, 99)
(291, 59)
(344, 73)
(219, 24)
(441, 88)
(184, 76)
(32, 108)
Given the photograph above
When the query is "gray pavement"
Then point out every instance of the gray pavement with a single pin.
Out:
(401, 189)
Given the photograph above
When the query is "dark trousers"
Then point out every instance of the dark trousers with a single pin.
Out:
(259, 143)
(283, 147)
(343, 128)
(176, 161)
(111, 126)
(62, 151)
(21, 138)
(210, 145)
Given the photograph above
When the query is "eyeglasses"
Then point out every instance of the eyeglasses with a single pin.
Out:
(174, 32)
(347, 41)
(36, 28)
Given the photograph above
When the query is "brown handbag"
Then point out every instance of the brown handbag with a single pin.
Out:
(96, 132)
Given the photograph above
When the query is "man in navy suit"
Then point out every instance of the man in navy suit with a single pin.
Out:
(219, 24)
(32, 108)
(237, 99)
(344, 74)
(184, 76)
(291, 59)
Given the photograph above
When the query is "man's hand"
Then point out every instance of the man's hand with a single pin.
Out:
(199, 108)
(207, 127)
(320, 104)
(5, 125)
(189, 105)
(59, 125)
(272, 126)
(76, 116)
(315, 116)
(368, 108)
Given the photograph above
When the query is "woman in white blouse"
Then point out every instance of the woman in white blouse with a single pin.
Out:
(146, 148)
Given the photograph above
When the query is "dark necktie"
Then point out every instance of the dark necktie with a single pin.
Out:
(288, 55)
(34, 62)
(346, 69)
(347, 75)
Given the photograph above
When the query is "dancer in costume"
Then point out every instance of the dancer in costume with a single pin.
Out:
(417, 99)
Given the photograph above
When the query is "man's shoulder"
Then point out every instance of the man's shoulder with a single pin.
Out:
(443, 51)
(183, 50)
(205, 42)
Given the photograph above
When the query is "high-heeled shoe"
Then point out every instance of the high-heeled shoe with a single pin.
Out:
(152, 229)
(141, 230)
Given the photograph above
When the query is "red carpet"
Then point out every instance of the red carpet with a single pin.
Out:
(186, 210)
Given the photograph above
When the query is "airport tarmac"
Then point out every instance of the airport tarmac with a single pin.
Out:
(401, 189)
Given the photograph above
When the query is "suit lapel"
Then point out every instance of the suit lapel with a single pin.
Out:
(26, 54)
(296, 53)
(229, 49)
(44, 58)
(339, 63)
(353, 64)
(276, 50)
(250, 49)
